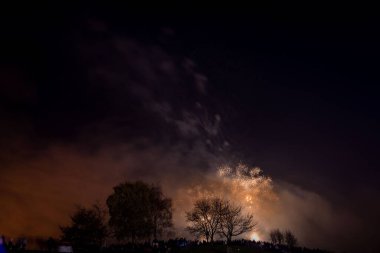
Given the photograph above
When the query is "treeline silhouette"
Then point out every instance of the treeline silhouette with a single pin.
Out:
(181, 245)
(139, 214)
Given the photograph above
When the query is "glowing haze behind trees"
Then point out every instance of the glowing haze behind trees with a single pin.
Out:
(215, 216)
(241, 185)
(234, 223)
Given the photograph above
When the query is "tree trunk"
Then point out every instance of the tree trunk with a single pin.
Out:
(229, 239)
(133, 239)
(155, 229)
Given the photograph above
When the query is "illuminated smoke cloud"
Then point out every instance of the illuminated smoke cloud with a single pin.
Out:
(240, 184)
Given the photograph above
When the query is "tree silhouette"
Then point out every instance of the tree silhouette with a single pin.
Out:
(205, 218)
(161, 211)
(87, 229)
(138, 211)
(276, 236)
(290, 239)
(233, 222)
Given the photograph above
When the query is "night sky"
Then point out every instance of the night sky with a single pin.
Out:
(93, 96)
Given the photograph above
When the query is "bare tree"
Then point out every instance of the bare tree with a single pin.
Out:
(205, 218)
(233, 222)
(276, 236)
(290, 239)
(273, 237)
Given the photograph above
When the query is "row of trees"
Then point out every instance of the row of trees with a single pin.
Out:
(287, 237)
(138, 212)
(216, 216)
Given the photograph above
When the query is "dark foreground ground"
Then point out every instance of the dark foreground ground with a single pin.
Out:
(184, 246)
(209, 249)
